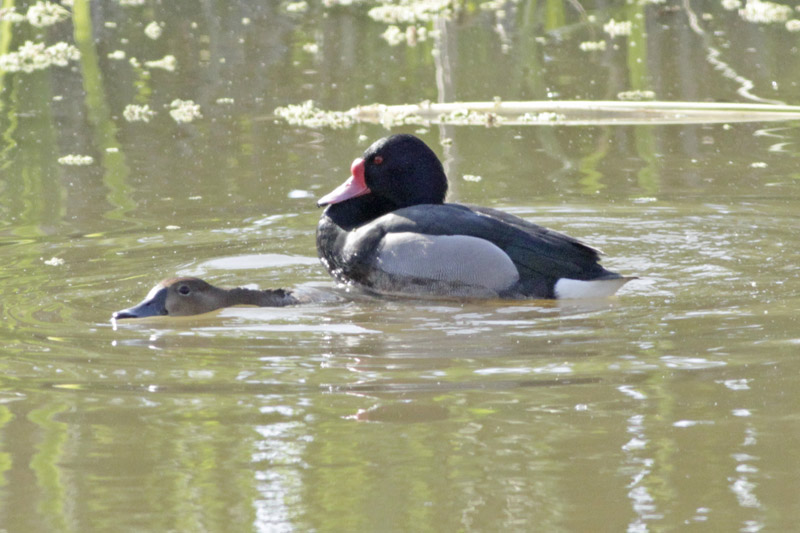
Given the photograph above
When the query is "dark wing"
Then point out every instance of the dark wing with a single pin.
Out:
(537, 251)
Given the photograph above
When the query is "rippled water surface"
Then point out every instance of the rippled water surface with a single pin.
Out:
(673, 405)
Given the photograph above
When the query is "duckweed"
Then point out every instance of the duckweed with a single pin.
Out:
(76, 160)
(138, 113)
(184, 111)
(636, 95)
(306, 114)
(592, 46)
(614, 28)
(167, 63)
(32, 56)
(43, 14)
(411, 11)
(765, 12)
(153, 30)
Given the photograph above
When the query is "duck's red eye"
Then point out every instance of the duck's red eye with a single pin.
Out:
(378, 159)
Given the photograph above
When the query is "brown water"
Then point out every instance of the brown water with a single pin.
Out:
(673, 405)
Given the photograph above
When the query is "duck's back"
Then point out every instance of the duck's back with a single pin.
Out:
(456, 250)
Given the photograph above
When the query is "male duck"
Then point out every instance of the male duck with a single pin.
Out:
(388, 229)
(193, 296)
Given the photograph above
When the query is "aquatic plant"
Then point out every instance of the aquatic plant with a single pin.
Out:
(167, 63)
(153, 30)
(184, 110)
(614, 28)
(306, 114)
(32, 56)
(76, 160)
(760, 11)
(43, 14)
(138, 113)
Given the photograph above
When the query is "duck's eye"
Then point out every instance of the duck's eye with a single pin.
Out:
(184, 289)
(378, 159)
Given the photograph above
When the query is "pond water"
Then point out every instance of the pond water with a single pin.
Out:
(673, 404)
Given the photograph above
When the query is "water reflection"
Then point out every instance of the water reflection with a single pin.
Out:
(672, 405)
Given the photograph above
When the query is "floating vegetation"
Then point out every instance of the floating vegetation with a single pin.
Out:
(138, 113)
(9, 14)
(614, 28)
(411, 36)
(131, 2)
(184, 111)
(36, 56)
(307, 115)
(167, 63)
(311, 48)
(153, 30)
(53, 261)
(76, 160)
(39, 15)
(411, 11)
(117, 55)
(225, 101)
(793, 25)
(331, 3)
(765, 12)
(544, 116)
(547, 112)
(471, 177)
(469, 117)
(730, 5)
(296, 7)
(592, 46)
(636, 95)
(44, 14)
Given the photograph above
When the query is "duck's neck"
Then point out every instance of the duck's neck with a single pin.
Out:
(265, 298)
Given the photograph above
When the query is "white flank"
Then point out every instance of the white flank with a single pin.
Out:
(566, 288)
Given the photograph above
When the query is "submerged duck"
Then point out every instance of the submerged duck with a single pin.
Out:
(193, 296)
(387, 228)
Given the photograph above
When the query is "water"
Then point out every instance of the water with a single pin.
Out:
(671, 405)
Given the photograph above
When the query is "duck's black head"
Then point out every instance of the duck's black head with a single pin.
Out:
(400, 169)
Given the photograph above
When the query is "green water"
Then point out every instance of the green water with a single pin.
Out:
(673, 405)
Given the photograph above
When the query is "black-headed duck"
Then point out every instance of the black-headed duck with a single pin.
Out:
(388, 228)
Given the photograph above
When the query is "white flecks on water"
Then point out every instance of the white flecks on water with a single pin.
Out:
(306, 114)
(592, 46)
(296, 7)
(167, 63)
(53, 261)
(32, 56)
(614, 28)
(765, 12)
(138, 113)
(76, 160)
(184, 111)
(636, 95)
(44, 14)
(153, 30)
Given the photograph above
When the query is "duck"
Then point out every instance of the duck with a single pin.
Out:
(388, 229)
(186, 296)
